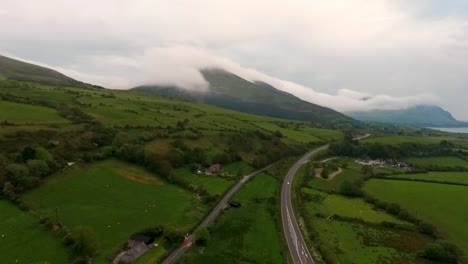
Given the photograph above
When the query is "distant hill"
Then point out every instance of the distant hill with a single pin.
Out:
(230, 91)
(22, 71)
(420, 115)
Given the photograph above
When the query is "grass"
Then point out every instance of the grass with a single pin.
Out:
(23, 240)
(355, 243)
(115, 199)
(296, 135)
(247, 234)
(397, 140)
(27, 114)
(351, 173)
(154, 255)
(452, 177)
(329, 205)
(211, 183)
(439, 161)
(441, 204)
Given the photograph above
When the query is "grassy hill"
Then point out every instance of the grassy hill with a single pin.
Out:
(421, 115)
(230, 91)
(123, 143)
(21, 71)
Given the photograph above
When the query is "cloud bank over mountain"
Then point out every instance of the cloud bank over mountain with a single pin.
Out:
(393, 52)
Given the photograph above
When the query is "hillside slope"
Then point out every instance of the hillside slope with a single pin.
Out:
(230, 91)
(22, 71)
(420, 115)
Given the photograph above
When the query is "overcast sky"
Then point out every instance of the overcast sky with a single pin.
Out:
(330, 52)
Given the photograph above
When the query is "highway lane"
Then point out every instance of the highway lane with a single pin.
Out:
(296, 243)
(212, 216)
(297, 246)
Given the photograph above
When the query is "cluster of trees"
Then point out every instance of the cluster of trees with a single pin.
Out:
(30, 166)
(377, 150)
(75, 114)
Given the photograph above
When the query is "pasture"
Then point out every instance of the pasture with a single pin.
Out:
(29, 114)
(351, 173)
(251, 229)
(440, 204)
(450, 177)
(397, 140)
(109, 197)
(213, 184)
(428, 162)
(23, 240)
(360, 244)
(329, 205)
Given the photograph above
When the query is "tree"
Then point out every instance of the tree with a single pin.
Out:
(348, 188)
(85, 242)
(28, 153)
(38, 167)
(165, 168)
(203, 235)
(442, 252)
(43, 154)
(17, 172)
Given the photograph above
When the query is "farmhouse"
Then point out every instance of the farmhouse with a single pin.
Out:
(215, 169)
(137, 246)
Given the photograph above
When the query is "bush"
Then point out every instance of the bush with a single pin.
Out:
(442, 252)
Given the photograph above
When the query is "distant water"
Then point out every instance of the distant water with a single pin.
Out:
(451, 129)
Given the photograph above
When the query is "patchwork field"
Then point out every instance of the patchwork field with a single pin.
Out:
(451, 177)
(359, 244)
(439, 161)
(329, 205)
(109, 197)
(23, 240)
(211, 183)
(397, 140)
(351, 173)
(252, 231)
(24, 113)
(440, 204)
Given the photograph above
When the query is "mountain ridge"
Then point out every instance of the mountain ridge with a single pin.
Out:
(418, 115)
(233, 92)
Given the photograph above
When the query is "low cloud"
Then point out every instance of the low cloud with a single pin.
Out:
(180, 66)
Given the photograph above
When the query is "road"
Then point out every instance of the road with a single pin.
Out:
(176, 254)
(296, 243)
(297, 246)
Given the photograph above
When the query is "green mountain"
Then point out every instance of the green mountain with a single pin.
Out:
(230, 91)
(22, 71)
(420, 115)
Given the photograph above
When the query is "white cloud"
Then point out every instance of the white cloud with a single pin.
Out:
(389, 50)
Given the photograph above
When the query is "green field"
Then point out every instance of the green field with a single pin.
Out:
(441, 204)
(397, 140)
(439, 161)
(211, 183)
(351, 173)
(329, 205)
(303, 136)
(355, 243)
(23, 240)
(452, 177)
(29, 114)
(251, 230)
(115, 199)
